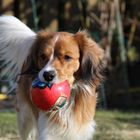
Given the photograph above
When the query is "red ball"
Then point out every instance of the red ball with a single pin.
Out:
(51, 98)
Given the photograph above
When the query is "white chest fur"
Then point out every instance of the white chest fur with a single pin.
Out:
(71, 131)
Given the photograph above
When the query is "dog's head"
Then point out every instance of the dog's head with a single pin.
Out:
(65, 56)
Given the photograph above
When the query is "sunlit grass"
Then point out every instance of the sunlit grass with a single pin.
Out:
(111, 125)
(117, 125)
(8, 124)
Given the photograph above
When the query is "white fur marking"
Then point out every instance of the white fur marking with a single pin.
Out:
(46, 68)
(52, 131)
(56, 38)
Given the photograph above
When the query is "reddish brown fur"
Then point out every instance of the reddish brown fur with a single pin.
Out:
(84, 109)
(78, 47)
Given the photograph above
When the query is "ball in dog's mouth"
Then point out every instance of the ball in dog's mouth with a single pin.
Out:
(50, 96)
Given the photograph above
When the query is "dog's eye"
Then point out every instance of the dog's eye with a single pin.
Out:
(43, 56)
(67, 58)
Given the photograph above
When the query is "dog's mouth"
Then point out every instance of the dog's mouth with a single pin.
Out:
(50, 96)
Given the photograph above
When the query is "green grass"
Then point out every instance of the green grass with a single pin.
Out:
(111, 125)
(117, 125)
(8, 126)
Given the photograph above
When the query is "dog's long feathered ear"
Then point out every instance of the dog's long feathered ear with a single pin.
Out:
(91, 56)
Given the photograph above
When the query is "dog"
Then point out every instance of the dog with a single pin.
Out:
(53, 57)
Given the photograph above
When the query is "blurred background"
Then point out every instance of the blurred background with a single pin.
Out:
(115, 25)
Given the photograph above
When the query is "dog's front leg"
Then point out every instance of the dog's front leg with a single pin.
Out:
(26, 122)
(45, 128)
(42, 126)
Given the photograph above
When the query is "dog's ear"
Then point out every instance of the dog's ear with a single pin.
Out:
(91, 56)
(33, 63)
(29, 67)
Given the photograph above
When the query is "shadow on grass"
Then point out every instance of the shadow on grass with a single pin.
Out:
(134, 121)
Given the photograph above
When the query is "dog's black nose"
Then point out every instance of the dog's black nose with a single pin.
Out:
(49, 75)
